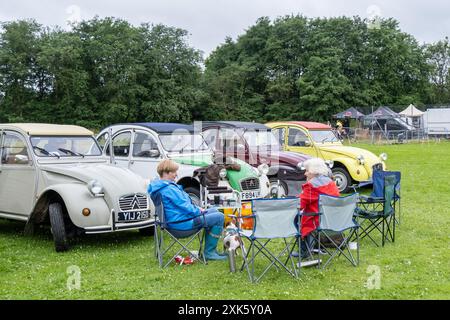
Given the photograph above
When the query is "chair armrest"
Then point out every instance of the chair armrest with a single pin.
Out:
(370, 199)
(310, 214)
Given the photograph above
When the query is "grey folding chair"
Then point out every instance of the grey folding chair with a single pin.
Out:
(336, 215)
(273, 219)
(180, 240)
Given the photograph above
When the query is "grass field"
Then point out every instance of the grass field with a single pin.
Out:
(122, 265)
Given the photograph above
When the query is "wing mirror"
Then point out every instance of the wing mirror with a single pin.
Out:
(21, 159)
(308, 143)
(154, 153)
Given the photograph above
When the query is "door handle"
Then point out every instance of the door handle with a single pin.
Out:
(131, 162)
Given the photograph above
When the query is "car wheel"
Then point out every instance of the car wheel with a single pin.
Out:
(342, 179)
(194, 194)
(283, 189)
(58, 227)
(147, 232)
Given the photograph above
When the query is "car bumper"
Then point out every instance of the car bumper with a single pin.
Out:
(120, 226)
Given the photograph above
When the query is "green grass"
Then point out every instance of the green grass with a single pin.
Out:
(122, 265)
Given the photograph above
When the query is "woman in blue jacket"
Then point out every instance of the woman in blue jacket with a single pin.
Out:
(178, 207)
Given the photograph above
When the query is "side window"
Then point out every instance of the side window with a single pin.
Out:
(280, 134)
(231, 141)
(297, 138)
(210, 137)
(121, 144)
(102, 140)
(145, 146)
(14, 150)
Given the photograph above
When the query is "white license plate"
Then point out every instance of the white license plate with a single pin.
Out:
(134, 216)
(248, 195)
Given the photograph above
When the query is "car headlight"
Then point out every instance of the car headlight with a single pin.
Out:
(384, 156)
(300, 166)
(361, 159)
(223, 173)
(95, 187)
(263, 169)
(330, 163)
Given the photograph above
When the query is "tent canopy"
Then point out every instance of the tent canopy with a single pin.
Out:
(351, 113)
(382, 113)
(412, 112)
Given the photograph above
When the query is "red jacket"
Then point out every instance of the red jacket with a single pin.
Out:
(309, 200)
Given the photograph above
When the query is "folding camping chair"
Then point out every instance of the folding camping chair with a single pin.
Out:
(378, 190)
(180, 239)
(336, 216)
(273, 219)
(378, 213)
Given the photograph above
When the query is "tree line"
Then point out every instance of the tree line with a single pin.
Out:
(105, 71)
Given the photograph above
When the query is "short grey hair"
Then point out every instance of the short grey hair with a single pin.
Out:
(317, 166)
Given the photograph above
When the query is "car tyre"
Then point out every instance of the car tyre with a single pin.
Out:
(58, 228)
(194, 194)
(342, 179)
(283, 185)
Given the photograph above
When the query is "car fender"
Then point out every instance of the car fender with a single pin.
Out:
(285, 172)
(352, 167)
(76, 197)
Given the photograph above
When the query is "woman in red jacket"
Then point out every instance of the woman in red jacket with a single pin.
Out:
(318, 182)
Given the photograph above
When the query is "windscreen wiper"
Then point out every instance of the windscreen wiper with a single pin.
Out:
(46, 152)
(67, 151)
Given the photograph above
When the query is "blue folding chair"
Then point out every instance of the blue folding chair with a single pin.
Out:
(272, 219)
(378, 213)
(378, 189)
(180, 239)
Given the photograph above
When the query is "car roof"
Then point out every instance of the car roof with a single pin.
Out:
(306, 124)
(47, 129)
(237, 124)
(162, 127)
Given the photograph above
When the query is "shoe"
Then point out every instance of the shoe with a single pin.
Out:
(309, 263)
(318, 251)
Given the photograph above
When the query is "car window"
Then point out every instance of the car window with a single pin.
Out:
(143, 144)
(280, 133)
(14, 150)
(121, 144)
(103, 139)
(210, 137)
(297, 138)
(231, 141)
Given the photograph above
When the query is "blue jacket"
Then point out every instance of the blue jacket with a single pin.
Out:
(177, 203)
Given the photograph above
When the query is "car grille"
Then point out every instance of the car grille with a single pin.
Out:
(377, 166)
(133, 202)
(250, 184)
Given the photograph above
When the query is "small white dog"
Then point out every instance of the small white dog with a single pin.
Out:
(231, 240)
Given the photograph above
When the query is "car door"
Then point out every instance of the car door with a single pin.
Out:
(232, 144)
(280, 134)
(299, 141)
(17, 176)
(122, 148)
(145, 154)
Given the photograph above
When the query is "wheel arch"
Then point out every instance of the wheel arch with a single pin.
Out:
(40, 212)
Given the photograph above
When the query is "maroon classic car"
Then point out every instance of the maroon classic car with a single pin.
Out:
(255, 144)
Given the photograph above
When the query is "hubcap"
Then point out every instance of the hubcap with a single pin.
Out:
(281, 190)
(341, 181)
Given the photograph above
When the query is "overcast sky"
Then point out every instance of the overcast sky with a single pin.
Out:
(210, 21)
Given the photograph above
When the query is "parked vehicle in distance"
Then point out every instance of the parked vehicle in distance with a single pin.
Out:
(350, 164)
(141, 146)
(255, 144)
(56, 175)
